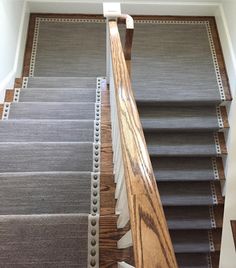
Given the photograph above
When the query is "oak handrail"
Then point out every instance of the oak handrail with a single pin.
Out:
(152, 245)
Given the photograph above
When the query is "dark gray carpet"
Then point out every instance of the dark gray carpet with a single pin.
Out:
(173, 63)
(47, 131)
(79, 50)
(189, 241)
(52, 110)
(49, 164)
(57, 95)
(61, 82)
(193, 260)
(185, 193)
(183, 168)
(188, 217)
(44, 156)
(181, 144)
(44, 240)
(166, 118)
(45, 193)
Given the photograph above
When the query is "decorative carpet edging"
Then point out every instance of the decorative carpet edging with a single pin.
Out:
(138, 21)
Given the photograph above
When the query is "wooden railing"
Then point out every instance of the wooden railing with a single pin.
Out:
(138, 199)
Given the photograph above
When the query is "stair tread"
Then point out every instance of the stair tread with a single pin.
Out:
(57, 95)
(47, 130)
(181, 144)
(193, 260)
(46, 156)
(45, 193)
(193, 217)
(175, 95)
(192, 241)
(52, 110)
(161, 118)
(186, 168)
(61, 82)
(55, 240)
(188, 193)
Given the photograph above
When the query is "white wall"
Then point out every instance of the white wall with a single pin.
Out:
(226, 21)
(12, 20)
(138, 7)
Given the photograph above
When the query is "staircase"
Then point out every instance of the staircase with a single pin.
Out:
(49, 173)
(186, 144)
(50, 144)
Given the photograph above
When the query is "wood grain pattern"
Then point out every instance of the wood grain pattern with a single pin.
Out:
(9, 95)
(233, 226)
(224, 116)
(216, 234)
(220, 198)
(109, 235)
(151, 241)
(220, 168)
(218, 214)
(18, 82)
(215, 259)
(1, 110)
(222, 143)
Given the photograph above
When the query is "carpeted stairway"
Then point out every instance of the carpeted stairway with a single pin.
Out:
(49, 174)
(50, 140)
(181, 105)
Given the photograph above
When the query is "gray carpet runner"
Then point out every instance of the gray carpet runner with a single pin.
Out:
(49, 174)
(53, 110)
(178, 90)
(47, 240)
(166, 118)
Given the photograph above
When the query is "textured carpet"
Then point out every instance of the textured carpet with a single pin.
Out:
(44, 192)
(178, 88)
(178, 118)
(181, 144)
(60, 82)
(183, 168)
(49, 174)
(52, 110)
(58, 240)
(57, 95)
(47, 130)
(79, 51)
